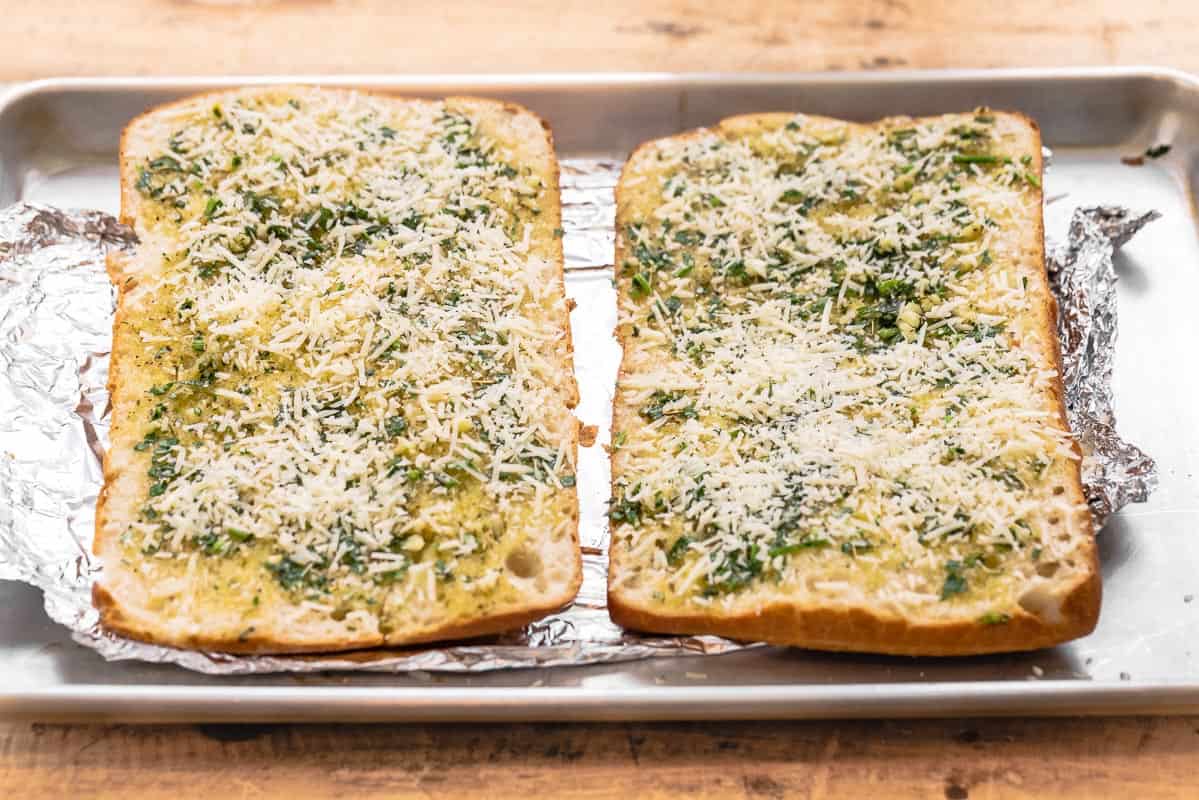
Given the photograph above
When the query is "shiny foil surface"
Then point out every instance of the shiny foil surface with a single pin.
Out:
(56, 306)
(1083, 277)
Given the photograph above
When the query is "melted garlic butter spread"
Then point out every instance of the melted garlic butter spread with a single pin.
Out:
(837, 374)
(355, 349)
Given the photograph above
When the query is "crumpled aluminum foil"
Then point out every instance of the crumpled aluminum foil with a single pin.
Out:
(588, 211)
(1083, 277)
(55, 329)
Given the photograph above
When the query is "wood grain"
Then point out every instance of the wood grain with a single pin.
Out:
(1081, 758)
(162, 37)
(1142, 758)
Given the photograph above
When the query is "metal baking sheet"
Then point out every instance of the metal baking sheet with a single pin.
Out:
(58, 143)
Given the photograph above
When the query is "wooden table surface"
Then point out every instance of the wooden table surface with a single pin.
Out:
(1084, 758)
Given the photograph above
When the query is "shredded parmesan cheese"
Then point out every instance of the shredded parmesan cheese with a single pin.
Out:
(832, 385)
(356, 335)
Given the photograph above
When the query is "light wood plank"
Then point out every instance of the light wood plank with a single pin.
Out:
(1144, 758)
(161, 37)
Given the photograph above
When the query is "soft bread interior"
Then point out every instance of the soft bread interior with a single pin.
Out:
(387, 185)
(838, 417)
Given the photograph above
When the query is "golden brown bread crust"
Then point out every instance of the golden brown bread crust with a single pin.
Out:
(118, 619)
(861, 629)
(856, 629)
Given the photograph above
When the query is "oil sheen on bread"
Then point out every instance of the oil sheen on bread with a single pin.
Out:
(341, 375)
(839, 422)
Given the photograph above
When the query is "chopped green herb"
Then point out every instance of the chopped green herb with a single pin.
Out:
(678, 551)
(894, 287)
(238, 535)
(738, 570)
(792, 197)
(955, 582)
(857, 547)
(641, 286)
(807, 542)
(965, 158)
(628, 511)
(165, 164)
(290, 574)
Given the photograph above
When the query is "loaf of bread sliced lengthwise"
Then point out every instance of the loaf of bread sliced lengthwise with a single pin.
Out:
(839, 422)
(341, 375)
